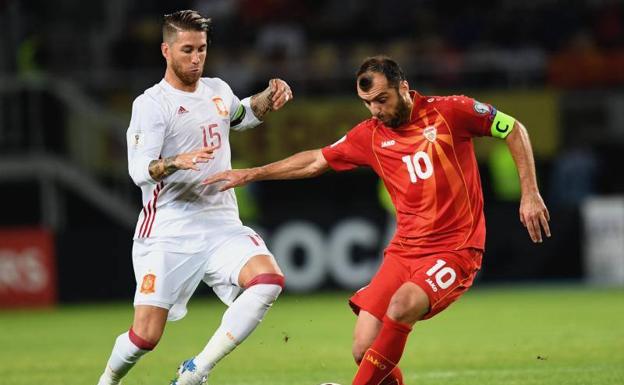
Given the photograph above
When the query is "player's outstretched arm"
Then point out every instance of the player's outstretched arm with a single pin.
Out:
(160, 168)
(304, 164)
(533, 212)
(272, 98)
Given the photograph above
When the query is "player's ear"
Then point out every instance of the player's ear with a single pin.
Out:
(404, 86)
(164, 49)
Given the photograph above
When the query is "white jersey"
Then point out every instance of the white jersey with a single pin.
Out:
(166, 122)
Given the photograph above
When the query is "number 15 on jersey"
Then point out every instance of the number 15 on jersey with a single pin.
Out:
(215, 137)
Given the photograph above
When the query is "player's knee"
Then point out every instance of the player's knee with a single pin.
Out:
(409, 304)
(358, 349)
(267, 287)
(144, 338)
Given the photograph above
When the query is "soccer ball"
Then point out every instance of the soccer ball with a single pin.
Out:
(329, 383)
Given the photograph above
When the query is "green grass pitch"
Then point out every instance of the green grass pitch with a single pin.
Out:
(569, 335)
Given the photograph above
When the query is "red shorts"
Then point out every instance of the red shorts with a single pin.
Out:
(444, 276)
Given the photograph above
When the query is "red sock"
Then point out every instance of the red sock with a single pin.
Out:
(394, 378)
(384, 355)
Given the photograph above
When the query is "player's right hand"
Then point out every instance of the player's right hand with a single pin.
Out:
(534, 216)
(233, 178)
(190, 160)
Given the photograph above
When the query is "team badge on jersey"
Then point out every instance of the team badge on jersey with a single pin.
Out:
(221, 108)
(148, 286)
(430, 133)
(481, 108)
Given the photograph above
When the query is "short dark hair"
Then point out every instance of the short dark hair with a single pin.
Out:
(381, 64)
(186, 20)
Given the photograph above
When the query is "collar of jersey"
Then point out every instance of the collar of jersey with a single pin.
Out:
(200, 86)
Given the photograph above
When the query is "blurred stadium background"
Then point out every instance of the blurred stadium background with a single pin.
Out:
(70, 69)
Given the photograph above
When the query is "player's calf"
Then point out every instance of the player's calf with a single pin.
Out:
(128, 349)
(240, 319)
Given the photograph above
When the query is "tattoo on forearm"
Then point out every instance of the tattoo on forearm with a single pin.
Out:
(261, 103)
(160, 168)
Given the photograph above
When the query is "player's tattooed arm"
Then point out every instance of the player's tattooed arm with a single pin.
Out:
(261, 103)
(272, 98)
(160, 168)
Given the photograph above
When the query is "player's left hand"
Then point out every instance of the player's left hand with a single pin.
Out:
(534, 216)
(280, 93)
(234, 178)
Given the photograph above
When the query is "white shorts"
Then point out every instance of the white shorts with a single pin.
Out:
(167, 278)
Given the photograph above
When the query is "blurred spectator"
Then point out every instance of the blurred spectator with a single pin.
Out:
(573, 176)
(583, 64)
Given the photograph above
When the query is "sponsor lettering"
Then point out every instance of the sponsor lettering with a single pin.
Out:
(27, 268)
(387, 143)
(433, 285)
(23, 272)
(374, 361)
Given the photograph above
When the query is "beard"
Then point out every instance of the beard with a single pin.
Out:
(188, 78)
(400, 117)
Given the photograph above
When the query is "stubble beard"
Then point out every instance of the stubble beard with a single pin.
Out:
(401, 116)
(187, 78)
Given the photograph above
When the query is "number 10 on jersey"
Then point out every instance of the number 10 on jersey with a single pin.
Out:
(418, 166)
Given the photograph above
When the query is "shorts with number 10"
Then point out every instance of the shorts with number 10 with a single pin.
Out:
(444, 276)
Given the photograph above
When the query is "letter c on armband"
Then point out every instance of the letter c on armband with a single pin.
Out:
(502, 125)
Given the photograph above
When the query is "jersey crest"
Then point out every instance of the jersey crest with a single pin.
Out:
(430, 133)
(221, 109)
(148, 285)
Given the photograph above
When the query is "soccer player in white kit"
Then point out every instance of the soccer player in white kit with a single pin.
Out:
(188, 232)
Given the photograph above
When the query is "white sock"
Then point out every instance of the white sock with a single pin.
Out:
(239, 320)
(123, 357)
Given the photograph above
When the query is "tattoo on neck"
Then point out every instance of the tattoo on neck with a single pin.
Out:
(261, 103)
(160, 168)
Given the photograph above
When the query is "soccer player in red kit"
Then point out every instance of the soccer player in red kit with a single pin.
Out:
(421, 147)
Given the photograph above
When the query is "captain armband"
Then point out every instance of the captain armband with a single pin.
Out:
(502, 125)
(244, 118)
(238, 117)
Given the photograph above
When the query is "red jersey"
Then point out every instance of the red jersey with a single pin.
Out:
(429, 167)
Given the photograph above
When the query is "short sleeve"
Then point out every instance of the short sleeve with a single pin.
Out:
(350, 151)
(473, 118)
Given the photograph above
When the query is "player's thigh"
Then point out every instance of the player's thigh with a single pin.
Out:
(367, 327)
(225, 264)
(445, 276)
(165, 279)
(256, 265)
(375, 297)
(408, 304)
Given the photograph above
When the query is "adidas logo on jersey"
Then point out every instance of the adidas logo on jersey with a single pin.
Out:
(387, 143)
(182, 110)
